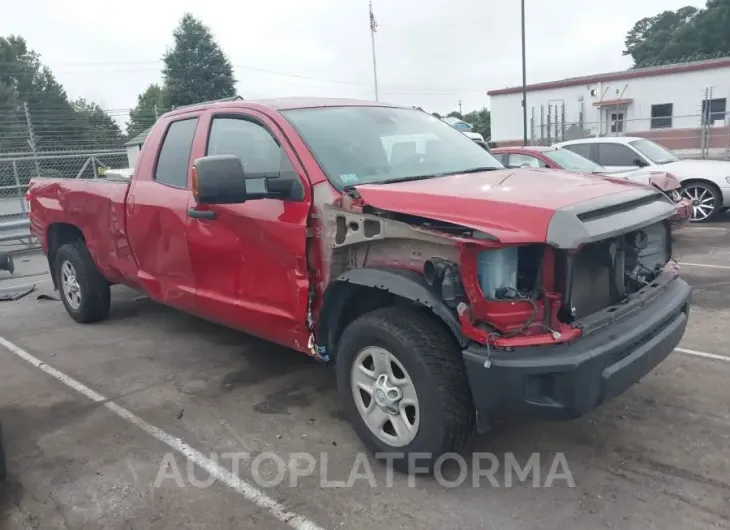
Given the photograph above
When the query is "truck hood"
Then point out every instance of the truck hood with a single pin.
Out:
(511, 205)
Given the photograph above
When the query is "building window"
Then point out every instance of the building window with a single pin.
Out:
(713, 110)
(617, 122)
(661, 116)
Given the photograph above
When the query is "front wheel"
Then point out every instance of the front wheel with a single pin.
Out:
(706, 201)
(403, 386)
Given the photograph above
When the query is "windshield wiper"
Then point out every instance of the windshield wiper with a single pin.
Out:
(406, 179)
(475, 170)
(434, 175)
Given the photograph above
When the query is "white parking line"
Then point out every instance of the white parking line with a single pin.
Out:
(704, 354)
(683, 263)
(238, 485)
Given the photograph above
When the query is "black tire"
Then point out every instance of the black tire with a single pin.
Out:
(701, 189)
(433, 361)
(94, 289)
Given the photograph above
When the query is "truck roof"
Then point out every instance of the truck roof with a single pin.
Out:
(285, 104)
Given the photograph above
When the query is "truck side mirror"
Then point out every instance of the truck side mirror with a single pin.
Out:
(639, 162)
(220, 179)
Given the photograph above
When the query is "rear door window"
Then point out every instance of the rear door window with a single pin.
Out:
(615, 155)
(583, 150)
(174, 160)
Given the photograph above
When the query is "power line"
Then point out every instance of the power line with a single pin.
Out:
(252, 69)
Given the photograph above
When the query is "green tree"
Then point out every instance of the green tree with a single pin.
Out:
(23, 79)
(196, 69)
(673, 36)
(481, 122)
(437, 115)
(455, 114)
(151, 103)
(57, 122)
(92, 127)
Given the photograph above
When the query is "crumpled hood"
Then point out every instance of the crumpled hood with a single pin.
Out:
(514, 205)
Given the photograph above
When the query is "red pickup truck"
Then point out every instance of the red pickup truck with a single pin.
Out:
(448, 291)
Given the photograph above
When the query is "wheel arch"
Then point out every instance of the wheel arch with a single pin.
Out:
(359, 291)
(699, 180)
(59, 234)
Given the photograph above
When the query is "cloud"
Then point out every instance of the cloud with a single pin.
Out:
(430, 53)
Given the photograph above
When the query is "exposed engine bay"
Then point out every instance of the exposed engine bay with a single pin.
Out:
(501, 294)
(606, 272)
(596, 276)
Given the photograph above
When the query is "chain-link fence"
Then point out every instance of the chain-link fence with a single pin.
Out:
(701, 135)
(17, 170)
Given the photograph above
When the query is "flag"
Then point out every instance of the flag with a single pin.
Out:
(373, 23)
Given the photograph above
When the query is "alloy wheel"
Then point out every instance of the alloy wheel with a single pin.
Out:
(385, 396)
(703, 201)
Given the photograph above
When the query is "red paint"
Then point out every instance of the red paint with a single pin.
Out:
(529, 151)
(510, 316)
(661, 179)
(636, 73)
(252, 267)
(612, 102)
(519, 202)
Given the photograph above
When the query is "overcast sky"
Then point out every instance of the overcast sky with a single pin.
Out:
(430, 53)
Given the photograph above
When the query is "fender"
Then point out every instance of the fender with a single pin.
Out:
(405, 284)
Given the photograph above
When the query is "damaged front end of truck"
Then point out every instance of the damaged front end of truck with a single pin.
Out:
(531, 299)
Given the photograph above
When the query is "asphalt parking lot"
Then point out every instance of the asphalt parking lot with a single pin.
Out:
(151, 385)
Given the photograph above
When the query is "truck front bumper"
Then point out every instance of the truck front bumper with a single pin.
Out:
(565, 381)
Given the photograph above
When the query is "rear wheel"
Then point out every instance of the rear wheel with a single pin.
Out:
(403, 386)
(706, 201)
(85, 293)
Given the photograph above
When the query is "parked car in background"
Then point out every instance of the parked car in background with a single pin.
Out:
(557, 158)
(464, 127)
(705, 182)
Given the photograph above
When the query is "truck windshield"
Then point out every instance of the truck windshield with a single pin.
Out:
(654, 152)
(371, 145)
(571, 161)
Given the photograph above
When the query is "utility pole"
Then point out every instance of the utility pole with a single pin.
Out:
(524, 79)
(460, 112)
(31, 138)
(373, 29)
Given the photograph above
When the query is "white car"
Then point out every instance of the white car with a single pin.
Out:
(705, 182)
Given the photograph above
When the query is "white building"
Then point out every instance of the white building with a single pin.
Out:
(669, 104)
(134, 146)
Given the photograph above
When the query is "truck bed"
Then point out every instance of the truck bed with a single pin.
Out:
(98, 207)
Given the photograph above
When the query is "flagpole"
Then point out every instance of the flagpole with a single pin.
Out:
(372, 43)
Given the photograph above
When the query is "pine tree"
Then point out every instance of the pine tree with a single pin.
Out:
(151, 103)
(196, 69)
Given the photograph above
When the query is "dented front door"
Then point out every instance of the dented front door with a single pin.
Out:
(249, 259)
